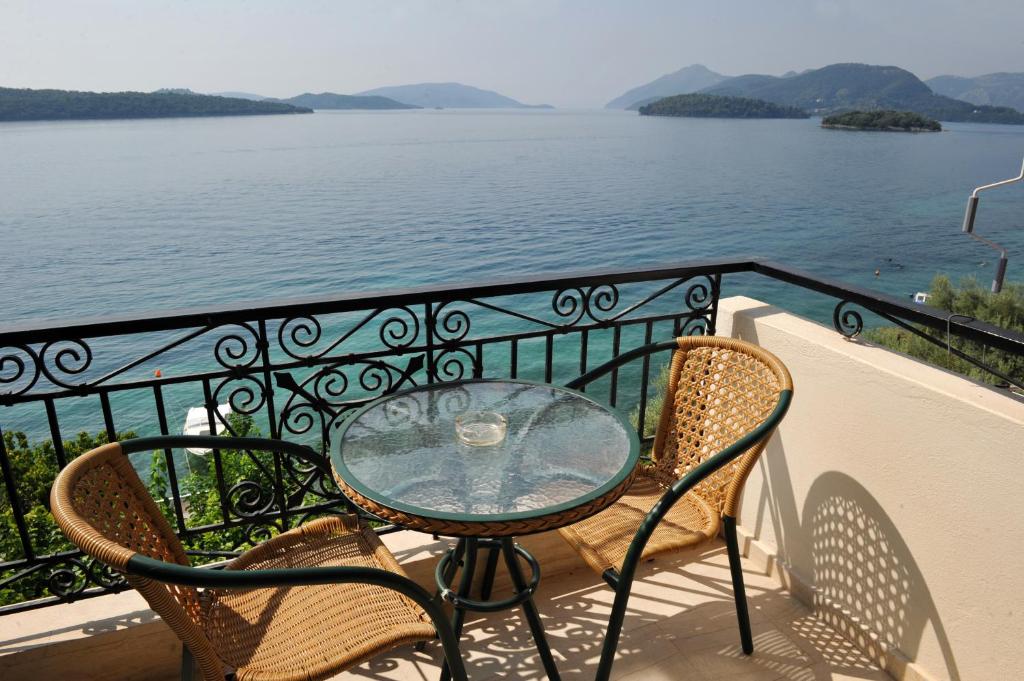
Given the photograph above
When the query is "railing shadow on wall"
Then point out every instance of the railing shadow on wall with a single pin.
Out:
(866, 581)
(862, 566)
(295, 366)
(863, 570)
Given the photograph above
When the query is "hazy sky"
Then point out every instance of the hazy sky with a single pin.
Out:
(562, 52)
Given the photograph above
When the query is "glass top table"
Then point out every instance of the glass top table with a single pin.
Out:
(564, 457)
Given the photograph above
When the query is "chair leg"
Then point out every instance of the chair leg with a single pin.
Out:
(187, 664)
(452, 655)
(449, 643)
(739, 592)
(611, 637)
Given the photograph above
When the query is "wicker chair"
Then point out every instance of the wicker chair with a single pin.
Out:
(724, 399)
(303, 605)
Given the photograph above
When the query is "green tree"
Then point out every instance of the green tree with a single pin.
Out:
(34, 467)
(201, 494)
(882, 120)
(971, 299)
(718, 106)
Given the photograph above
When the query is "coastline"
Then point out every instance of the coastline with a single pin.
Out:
(837, 126)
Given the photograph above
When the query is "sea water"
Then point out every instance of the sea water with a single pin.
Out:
(121, 217)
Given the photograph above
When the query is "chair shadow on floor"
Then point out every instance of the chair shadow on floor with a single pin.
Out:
(681, 624)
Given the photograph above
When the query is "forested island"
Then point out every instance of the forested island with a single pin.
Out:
(52, 105)
(719, 106)
(886, 120)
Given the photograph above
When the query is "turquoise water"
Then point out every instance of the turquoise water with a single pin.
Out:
(118, 217)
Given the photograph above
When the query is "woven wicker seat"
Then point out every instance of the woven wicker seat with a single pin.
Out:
(603, 539)
(722, 403)
(255, 631)
(308, 627)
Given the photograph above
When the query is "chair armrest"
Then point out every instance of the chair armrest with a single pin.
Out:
(174, 573)
(616, 362)
(307, 454)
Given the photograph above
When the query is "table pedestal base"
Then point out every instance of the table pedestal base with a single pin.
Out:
(464, 554)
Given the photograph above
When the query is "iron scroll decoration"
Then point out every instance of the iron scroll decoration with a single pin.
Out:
(300, 336)
(595, 303)
(21, 366)
(18, 374)
(847, 322)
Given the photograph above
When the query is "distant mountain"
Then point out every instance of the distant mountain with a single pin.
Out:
(41, 105)
(240, 95)
(996, 89)
(636, 106)
(330, 100)
(846, 87)
(684, 81)
(449, 96)
(696, 105)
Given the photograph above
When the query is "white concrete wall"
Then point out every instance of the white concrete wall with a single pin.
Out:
(896, 491)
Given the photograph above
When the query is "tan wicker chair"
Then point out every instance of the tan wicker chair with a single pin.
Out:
(723, 401)
(303, 605)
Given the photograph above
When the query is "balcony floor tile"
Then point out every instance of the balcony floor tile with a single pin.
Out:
(681, 624)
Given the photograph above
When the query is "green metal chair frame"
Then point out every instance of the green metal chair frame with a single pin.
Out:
(622, 581)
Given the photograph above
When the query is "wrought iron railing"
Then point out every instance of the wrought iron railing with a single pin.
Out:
(295, 366)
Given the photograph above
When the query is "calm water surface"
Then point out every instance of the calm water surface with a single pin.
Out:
(118, 217)
(131, 216)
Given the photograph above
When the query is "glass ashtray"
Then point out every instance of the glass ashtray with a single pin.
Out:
(481, 428)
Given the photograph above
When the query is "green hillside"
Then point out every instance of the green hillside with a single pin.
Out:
(845, 87)
(42, 105)
(995, 89)
(716, 106)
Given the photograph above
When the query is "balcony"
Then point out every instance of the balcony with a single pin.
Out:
(881, 529)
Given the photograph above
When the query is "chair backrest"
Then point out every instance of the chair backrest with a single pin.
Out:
(102, 506)
(719, 389)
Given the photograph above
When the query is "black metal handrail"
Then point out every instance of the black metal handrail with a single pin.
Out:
(970, 329)
(297, 365)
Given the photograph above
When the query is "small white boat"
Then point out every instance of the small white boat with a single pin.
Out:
(920, 298)
(197, 423)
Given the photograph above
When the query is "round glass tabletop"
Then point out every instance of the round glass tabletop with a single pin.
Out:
(561, 451)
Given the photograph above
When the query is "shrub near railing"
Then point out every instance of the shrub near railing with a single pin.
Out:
(35, 466)
(968, 300)
(248, 486)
